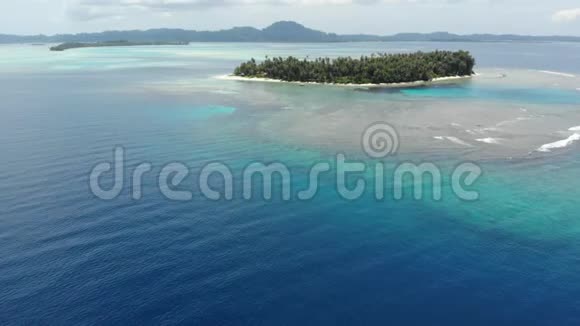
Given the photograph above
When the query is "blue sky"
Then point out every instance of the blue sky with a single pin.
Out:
(382, 17)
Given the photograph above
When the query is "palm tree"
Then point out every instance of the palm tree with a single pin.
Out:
(379, 68)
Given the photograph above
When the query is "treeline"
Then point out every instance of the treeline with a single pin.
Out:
(375, 69)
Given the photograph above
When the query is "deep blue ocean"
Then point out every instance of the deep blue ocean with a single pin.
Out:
(68, 257)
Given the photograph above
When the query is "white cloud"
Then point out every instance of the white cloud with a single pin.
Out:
(567, 15)
(94, 9)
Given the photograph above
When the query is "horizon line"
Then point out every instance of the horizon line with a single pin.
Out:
(293, 22)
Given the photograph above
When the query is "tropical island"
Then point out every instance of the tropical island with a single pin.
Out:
(374, 69)
(76, 45)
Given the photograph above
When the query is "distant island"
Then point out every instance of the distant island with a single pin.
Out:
(76, 45)
(375, 69)
(284, 31)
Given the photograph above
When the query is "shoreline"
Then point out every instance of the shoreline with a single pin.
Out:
(417, 83)
(83, 45)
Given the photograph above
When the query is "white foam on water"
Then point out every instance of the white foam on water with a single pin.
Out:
(479, 131)
(224, 92)
(510, 122)
(577, 128)
(557, 73)
(454, 140)
(458, 141)
(489, 140)
(559, 144)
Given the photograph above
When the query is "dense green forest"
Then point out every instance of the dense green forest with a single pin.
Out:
(374, 69)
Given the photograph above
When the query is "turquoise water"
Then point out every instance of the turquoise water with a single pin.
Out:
(510, 257)
(520, 95)
(208, 112)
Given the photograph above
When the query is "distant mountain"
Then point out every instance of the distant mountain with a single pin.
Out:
(284, 31)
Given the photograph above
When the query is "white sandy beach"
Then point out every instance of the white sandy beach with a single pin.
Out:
(390, 85)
